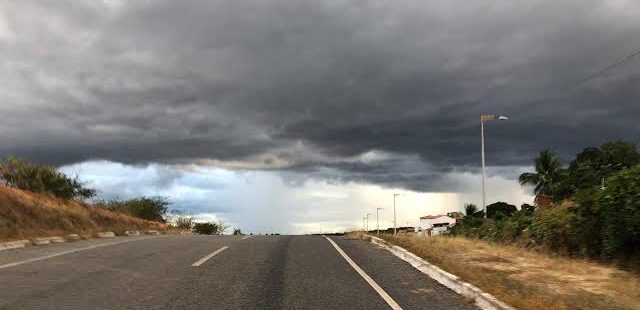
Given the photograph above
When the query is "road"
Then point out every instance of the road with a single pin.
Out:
(198, 272)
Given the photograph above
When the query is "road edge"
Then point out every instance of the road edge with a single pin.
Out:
(481, 299)
(40, 241)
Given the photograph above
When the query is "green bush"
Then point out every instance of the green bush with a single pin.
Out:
(148, 208)
(37, 178)
(618, 206)
(210, 228)
(551, 228)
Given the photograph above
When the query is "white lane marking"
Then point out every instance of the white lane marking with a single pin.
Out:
(35, 259)
(206, 258)
(246, 237)
(392, 303)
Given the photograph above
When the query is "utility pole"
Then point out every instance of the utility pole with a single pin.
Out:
(394, 214)
(378, 219)
(486, 118)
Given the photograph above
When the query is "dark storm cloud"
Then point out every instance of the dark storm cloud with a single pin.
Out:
(306, 85)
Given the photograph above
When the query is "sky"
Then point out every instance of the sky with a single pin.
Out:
(303, 116)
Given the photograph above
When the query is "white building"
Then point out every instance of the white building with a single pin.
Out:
(433, 225)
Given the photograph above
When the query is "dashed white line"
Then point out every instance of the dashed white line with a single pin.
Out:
(392, 303)
(206, 258)
(245, 237)
(35, 259)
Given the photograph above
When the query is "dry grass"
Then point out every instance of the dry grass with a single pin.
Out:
(528, 280)
(25, 214)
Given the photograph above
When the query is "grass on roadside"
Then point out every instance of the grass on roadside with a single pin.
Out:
(528, 280)
(24, 214)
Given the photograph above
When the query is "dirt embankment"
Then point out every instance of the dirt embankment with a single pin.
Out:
(26, 215)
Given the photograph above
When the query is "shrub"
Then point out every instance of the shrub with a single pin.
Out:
(209, 228)
(516, 225)
(551, 228)
(148, 208)
(37, 178)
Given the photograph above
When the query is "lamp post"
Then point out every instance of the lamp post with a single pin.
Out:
(368, 214)
(394, 213)
(486, 118)
(363, 223)
(378, 219)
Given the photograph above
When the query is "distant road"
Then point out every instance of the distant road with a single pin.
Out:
(216, 272)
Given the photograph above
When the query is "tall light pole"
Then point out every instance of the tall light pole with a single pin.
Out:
(486, 118)
(378, 219)
(394, 213)
(368, 221)
(363, 223)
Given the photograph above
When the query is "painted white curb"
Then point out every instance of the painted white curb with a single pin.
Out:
(483, 300)
(56, 239)
(14, 244)
(40, 241)
(70, 237)
(106, 234)
(73, 237)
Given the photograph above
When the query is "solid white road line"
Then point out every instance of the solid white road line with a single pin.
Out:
(35, 259)
(206, 258)
(392, 303)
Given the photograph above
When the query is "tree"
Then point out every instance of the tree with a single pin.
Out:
(592, 165)
(548, 174)
(25, 175)
(618, 207)
(470, 209)
(500, 210)
(237, 231)
(618, 155)
(527, 208)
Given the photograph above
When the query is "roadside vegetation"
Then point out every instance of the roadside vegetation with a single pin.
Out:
(526, 279)
(25, 215)
(209, 228)
(578, 247)
(589, 209)
(39, 200)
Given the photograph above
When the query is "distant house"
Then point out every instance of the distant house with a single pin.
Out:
(433, 225)
(456, 215)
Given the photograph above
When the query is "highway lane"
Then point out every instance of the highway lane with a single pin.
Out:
(260, 272)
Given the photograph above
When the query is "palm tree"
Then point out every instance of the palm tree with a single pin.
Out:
(470, 209)
(548, 174)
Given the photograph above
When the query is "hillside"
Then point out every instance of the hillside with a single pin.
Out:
(24, 214)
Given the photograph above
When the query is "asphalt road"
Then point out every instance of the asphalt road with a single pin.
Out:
(260, 272)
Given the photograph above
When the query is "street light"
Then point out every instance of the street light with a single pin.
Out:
(378, 219)
(363, 223)
(394, 213)
(486, 118)
(368, 221)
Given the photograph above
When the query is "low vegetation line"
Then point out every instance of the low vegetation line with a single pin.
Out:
(527, 280)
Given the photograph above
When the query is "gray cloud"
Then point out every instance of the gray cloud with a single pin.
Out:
(312, 86)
